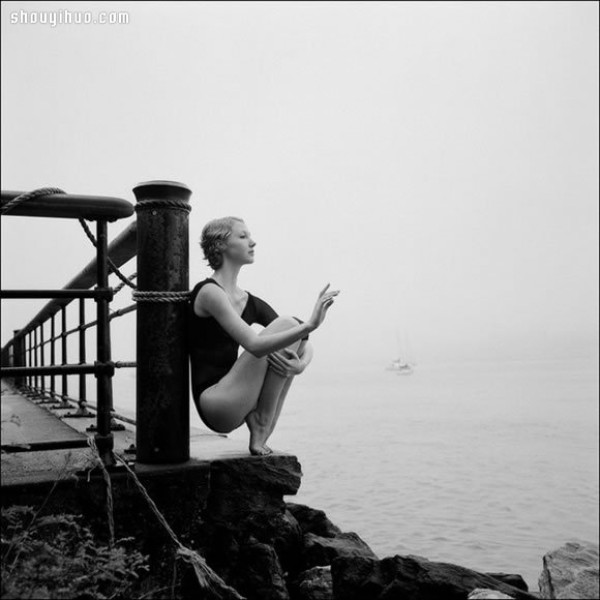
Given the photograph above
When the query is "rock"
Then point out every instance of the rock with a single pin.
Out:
(514, 580)
(404, 578)
(312, 520)
(248, 485)
(259, 575)
(571, 571)
(314, 584)
(481, 594)
(246, 534)
(321, 551)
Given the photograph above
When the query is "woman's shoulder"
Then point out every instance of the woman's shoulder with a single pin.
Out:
(200, 285)
(207, 290)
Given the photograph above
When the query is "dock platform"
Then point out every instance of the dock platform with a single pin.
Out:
(40, 444)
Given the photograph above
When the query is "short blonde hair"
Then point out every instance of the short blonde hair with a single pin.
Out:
(214, 238)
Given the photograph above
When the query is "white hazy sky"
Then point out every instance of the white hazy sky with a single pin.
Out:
(437, 162)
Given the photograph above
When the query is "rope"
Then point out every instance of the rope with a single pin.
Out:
(122, 285)
(168, 204)
(111, 264)
(47, 191)
(109, 495)
(207, 578)
(160, 296)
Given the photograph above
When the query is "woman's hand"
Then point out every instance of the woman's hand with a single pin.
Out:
(285, 363)
(324, 301)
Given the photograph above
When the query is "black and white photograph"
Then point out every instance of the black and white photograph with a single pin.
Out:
(300, 300)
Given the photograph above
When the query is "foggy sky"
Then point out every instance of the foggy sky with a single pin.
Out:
(437, 162)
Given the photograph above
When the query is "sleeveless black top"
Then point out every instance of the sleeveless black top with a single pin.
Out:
(212, 350)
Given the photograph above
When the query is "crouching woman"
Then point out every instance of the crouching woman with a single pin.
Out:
(229, 390)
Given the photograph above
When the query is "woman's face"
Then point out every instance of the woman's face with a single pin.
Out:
(240, 245)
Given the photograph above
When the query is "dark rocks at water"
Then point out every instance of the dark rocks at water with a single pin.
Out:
(570, 571)
(247, 536)
(321, 551)
(510, 579)
(312, 520)
(410, 578)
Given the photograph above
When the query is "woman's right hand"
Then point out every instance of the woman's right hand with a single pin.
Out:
(324, 301)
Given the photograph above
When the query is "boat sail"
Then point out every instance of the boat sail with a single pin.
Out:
(401, 365)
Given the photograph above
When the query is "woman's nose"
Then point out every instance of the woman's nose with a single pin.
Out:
(252, 243)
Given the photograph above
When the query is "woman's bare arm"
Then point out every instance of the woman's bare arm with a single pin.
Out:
(214, 301)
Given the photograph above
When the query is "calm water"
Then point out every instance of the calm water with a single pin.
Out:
(486, 465)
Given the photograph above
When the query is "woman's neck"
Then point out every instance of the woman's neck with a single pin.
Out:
(227, 277)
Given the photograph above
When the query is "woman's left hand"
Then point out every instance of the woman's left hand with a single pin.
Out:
(285, 363)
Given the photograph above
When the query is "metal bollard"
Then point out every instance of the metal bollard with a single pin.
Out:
(162, 399)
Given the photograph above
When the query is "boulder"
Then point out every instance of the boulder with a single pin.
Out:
(313, 584)
(312, 520)
(321, 551)
(410, 578)
(481, 594)
(570, 571)
(514, 580)
(259, 575)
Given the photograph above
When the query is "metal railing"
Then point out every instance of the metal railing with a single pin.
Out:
(159, 238)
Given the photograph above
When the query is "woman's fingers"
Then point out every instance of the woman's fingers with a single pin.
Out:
(324, 290)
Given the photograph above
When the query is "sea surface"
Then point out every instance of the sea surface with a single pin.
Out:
(486, 465)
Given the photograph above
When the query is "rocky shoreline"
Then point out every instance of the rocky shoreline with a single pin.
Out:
(232, 511)
(268, 549)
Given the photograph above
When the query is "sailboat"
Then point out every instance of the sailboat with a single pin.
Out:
(400, 365)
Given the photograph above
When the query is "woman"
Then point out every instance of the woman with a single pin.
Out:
(228, 390)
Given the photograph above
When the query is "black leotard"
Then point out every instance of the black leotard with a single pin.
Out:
(212, 350)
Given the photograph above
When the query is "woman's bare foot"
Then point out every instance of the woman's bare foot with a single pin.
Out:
(258, 434)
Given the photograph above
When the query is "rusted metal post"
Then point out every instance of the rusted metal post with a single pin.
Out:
(162, 403)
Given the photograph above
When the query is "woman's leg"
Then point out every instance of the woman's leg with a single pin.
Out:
(249, 392)
(283, 393)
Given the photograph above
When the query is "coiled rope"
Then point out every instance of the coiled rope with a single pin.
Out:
(165, 203)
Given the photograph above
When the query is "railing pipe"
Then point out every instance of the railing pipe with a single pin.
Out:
(42, 361)
(63, 321)
(103, 437)
(162, 401)
(36, 385)
(82, 382)
(53, 354)
(19, 358)
(70, 206)
(29, 360)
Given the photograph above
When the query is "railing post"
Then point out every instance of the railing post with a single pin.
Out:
(19, 355)
(42, 360)
(82, 381)
(53, 356)
(104, 437)
(36, 385)
(64, 380)
(162, 403)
